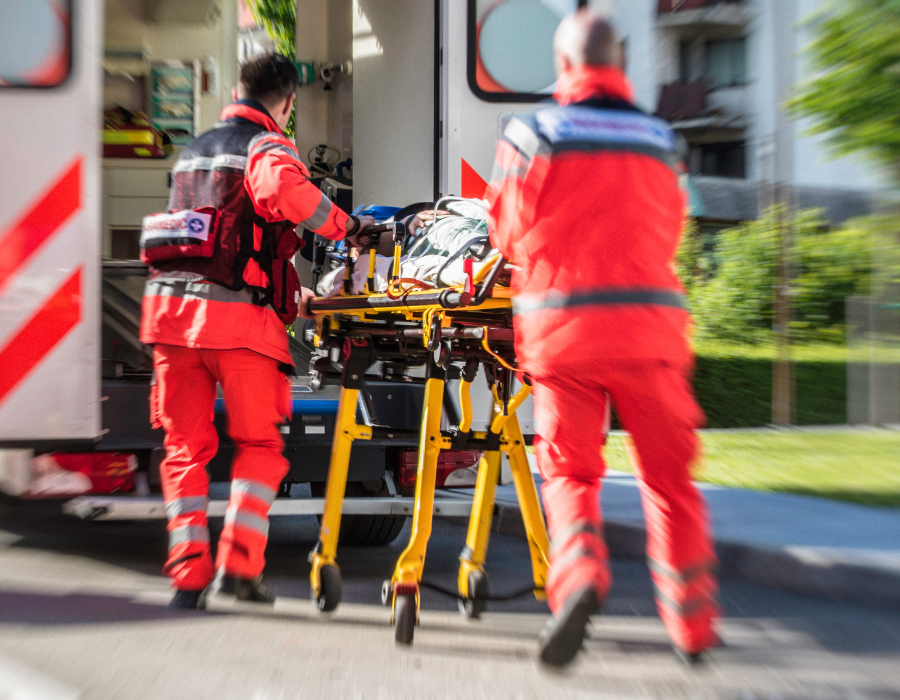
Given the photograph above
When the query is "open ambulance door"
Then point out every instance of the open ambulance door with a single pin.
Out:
(50, 110)
(496, 59)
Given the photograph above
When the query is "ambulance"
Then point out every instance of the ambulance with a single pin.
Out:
(413, 93)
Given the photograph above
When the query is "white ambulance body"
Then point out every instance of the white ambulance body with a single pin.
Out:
(433, 84)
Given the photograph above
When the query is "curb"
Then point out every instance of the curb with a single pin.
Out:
(777, 568)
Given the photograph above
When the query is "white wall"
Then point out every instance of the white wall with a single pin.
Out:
(126, 30)
(393, 101)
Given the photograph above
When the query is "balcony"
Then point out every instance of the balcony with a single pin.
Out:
(702, 14)
(702, 115)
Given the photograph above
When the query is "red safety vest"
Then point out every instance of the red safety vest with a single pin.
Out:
(585, 200)
(250, 175)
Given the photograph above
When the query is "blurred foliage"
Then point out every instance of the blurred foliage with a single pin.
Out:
(855, 93)
(730, 285)
(278, 18)
(733, 383)
(860, 466)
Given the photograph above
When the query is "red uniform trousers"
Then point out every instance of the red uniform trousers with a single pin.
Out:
(257, 397)
(655, 403)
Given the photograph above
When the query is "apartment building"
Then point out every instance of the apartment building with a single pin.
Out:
(720, 71)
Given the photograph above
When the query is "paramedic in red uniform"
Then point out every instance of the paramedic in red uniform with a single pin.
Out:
(585, 198)
(221, 319)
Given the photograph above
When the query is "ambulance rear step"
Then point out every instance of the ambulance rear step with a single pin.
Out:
(153, 508)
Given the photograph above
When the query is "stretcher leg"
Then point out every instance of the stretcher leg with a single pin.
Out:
(408, 572)
(325, 577)
(529, 504)
(472, 580)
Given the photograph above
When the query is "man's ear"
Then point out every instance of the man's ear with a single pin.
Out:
(288, 103)
(234, 94)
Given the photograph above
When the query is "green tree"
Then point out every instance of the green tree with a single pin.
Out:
(734, 302)
(855, 92)
(279, 20)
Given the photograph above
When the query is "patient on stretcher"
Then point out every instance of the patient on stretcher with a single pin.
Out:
(435, 258)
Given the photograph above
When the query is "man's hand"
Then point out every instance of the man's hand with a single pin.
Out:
(359, 240)
(303, 306)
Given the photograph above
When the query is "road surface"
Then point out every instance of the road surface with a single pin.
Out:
(83, 615)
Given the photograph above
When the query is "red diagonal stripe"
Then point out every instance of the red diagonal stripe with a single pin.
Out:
(39, 335)
(473, 185)
(40, 221)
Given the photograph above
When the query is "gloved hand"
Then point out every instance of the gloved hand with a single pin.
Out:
(303, 305)
(359, 239)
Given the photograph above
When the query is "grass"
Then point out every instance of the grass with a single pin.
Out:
(860, 466)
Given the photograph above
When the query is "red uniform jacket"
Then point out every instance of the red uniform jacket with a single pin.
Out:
(182, 308)
(585, 199)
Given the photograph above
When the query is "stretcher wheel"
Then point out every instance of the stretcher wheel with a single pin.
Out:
(404, 619)
(473, 606)
(329, 588)
(386, 591)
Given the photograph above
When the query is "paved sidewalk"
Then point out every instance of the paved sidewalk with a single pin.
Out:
(800, 543)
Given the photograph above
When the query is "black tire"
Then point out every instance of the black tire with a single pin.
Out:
(330, 588)
(474, 605)
(363, 530)
(405, 619)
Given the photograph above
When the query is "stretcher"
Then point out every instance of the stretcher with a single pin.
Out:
(451, 333)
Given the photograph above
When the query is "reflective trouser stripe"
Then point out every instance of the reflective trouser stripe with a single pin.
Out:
(188, 533)
(188, 504)
(525, 303)
(681, 577)
(253, 488)
(251, 521)
(573, 555)
(691, 606)
(579, 527)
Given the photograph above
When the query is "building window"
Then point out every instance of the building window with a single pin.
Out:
(726, 63)
(719, 159)
(35, 43)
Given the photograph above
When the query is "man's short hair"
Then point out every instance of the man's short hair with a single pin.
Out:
(268, 78)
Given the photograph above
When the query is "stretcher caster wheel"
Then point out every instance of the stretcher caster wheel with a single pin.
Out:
(387, 591)
(473, 606)
(329, 588)
(404, 619)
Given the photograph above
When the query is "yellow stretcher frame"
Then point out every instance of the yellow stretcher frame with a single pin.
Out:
(503, 436)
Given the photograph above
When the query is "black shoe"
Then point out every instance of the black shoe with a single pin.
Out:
(253, 590)
(690, 659)
(563, 635)
(188, 600)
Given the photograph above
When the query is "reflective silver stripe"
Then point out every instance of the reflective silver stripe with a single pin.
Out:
(191, 289)
(189, 504)
(681, 577)
(253, 488)
(526, 303)
(267, 146)
(523, 138)
(571, 556)
(248, 520)
(320, 215)
(690, 607)
(669, 158)
(224, 161)
(188, 533)
(579, 527)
